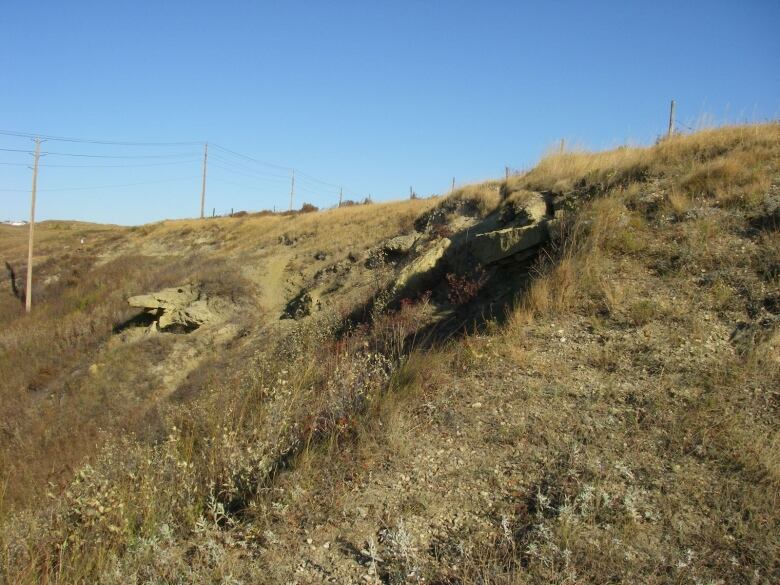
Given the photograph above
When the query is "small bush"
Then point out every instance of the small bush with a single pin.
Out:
(462, 288)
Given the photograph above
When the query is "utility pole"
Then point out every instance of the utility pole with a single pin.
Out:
(292, 189)
(563, 144)
(453, 184)
(203, 190)
(506, 173)
(28, 290)
(671, 120)
(411, 193)
(341, 195)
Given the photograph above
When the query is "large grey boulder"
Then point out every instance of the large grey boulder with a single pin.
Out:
(182, 308)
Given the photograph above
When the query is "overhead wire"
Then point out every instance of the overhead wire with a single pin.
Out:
(109, 156)
(101, 186)
(298, 172)
(247, 157)
(225, 159)
(219, 165)
(88, 141)
(160, 164)
(246, 168)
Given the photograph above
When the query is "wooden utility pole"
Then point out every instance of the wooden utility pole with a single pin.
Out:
(671, 119)
(203, 190)
(341, 196)
(292, 189)
(28, 289)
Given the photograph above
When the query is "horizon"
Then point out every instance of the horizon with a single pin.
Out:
(373, 99)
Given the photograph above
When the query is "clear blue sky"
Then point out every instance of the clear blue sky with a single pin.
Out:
(375, 96)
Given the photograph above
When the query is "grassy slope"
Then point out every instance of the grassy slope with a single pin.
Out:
(52, 408)
(609, 431)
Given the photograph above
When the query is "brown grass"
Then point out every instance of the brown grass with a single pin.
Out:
(733, 180)
(644, 449)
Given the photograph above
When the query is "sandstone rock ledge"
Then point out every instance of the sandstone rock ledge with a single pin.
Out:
(178, 309)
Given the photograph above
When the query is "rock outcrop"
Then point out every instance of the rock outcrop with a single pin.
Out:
(414, 273)
(500, 244)
(400, 245)
(177, 309)
(523, 208)
(515, 230)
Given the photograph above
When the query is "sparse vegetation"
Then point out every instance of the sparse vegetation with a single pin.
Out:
(620, 424)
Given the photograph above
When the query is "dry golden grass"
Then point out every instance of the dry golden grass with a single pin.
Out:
(645, 448)
(746, 145)
(477, 200)
(732, 180)
(355, 227)
(562, 172)
(679, 202)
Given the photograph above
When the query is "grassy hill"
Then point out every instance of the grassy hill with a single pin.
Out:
(570, 376)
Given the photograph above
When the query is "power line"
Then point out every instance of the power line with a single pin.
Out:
(88, 141)
(225, 181)
(255, 174)
(17, 150)
(160, 164)
(316, 180)
(247, 157)
(110, 156)
(251, 175)
(307, 182)
(297, 171)
(312, 190)
(246, 168)
(102, 186)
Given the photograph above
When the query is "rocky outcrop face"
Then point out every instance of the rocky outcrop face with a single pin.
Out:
(400, 245)
(414, 273)
(514, 231)
(499, 244)
(523, 208)
(178, 309)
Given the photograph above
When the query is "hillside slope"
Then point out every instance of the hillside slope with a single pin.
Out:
(570, 376)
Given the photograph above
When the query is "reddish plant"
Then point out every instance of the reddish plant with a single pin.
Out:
(463, 289)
